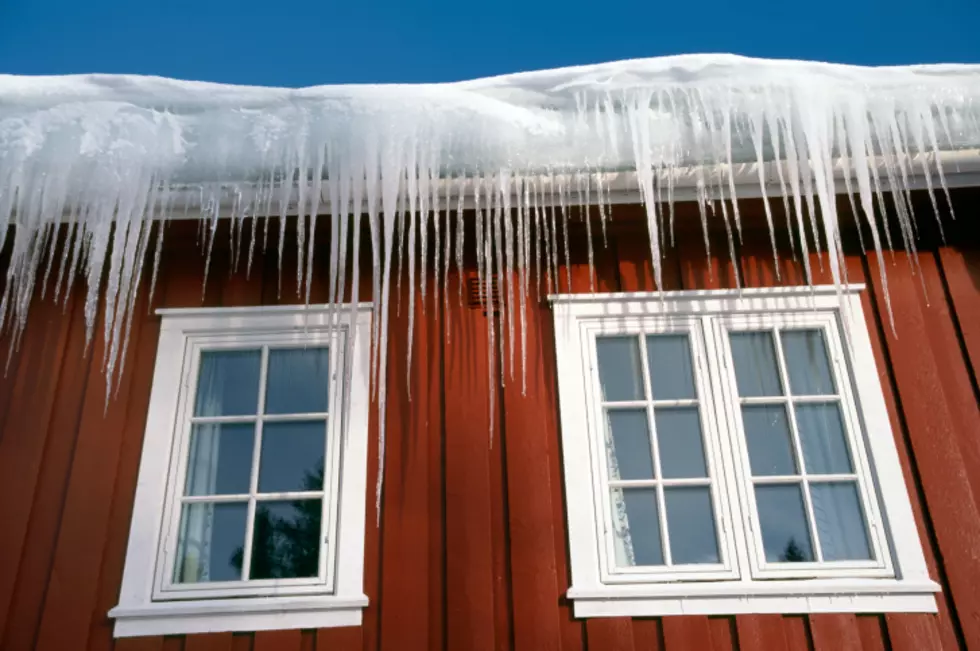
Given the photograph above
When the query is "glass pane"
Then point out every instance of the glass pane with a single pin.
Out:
(822, 437)
(769, 440)
(806, 363)
(691, 525)
(679, 438)
(840, 522)
(299, 381)
(212, 538)
(619, 368)
(785, 534)
(756, 372)
(228, 383)
(292, 456)
(671, 372)
(220, 461)
(636, 522)
(628, 445)
(286, 539)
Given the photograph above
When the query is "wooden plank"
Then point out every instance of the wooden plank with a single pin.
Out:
(409, 479)
(571, 630)
(139, 644)
(139, 375)
(34, 569)
(470, 583)
(346, 638)
(908, 632)
(208, 642)
(277, 640)
(25, 434)
(173, 643)
(307, 641)
(876, 323)
(723, 633)
(242, 642)
(796, 629)
(956, 376)
(648, 634)
(835, 633)
(529, 420)
(932, 430)
(874, 637)
(610, 633)
(961, 269)
(72, 598)
(761, 632)
(683, 632)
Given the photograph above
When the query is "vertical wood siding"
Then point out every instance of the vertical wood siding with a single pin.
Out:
(471, 552)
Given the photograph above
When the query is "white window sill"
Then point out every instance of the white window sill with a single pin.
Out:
(231, 615)
(786, 597)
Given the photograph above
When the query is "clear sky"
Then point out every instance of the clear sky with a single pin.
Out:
(309, 42)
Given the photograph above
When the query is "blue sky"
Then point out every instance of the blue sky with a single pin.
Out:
(308, 42)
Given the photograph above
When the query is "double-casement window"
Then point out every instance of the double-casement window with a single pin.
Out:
(249, 510)
(730, 452)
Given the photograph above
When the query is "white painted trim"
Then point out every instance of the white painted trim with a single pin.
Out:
(701, 294)
(899, 582)
(336, 600)
(261, 614)
(961, 169)
(796, 602)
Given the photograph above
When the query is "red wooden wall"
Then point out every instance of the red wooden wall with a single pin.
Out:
(471, 552)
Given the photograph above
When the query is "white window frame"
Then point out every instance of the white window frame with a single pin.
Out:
(151, 603)
(897, 581)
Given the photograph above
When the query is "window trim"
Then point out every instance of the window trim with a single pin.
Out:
(829, 323)
(909, 590)
(143, 609)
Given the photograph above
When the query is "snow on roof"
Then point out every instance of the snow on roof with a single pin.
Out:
(101, 150)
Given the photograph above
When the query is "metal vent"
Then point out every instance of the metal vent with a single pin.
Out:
(481, 294)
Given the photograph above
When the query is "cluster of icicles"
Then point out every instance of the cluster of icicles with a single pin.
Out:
(89, 165)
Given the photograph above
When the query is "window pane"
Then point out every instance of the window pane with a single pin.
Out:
(628, 446)
(840, 522)
(806, 363)
(636, 522)
(768, 439)
(228, 383)
(671, 372)
(822, 437)
(292, 456)
(286, 539)
(211, 541)
(756, 372)
(679, 437)
(220, 461)
(299, 381)
(691, 525)
(619, 368)
(785, 534)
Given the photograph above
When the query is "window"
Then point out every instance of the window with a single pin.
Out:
(250, 503)
(730, 452)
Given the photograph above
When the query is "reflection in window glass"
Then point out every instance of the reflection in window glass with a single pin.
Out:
(286, 539)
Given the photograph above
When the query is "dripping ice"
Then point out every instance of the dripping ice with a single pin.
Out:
(114, 157)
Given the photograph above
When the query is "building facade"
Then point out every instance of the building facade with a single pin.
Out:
(472, 545)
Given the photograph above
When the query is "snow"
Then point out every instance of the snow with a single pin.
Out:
(112, 155)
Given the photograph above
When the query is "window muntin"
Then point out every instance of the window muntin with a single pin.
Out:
(256, 454)
(802, 493)
(806, 485)
(658, 484)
